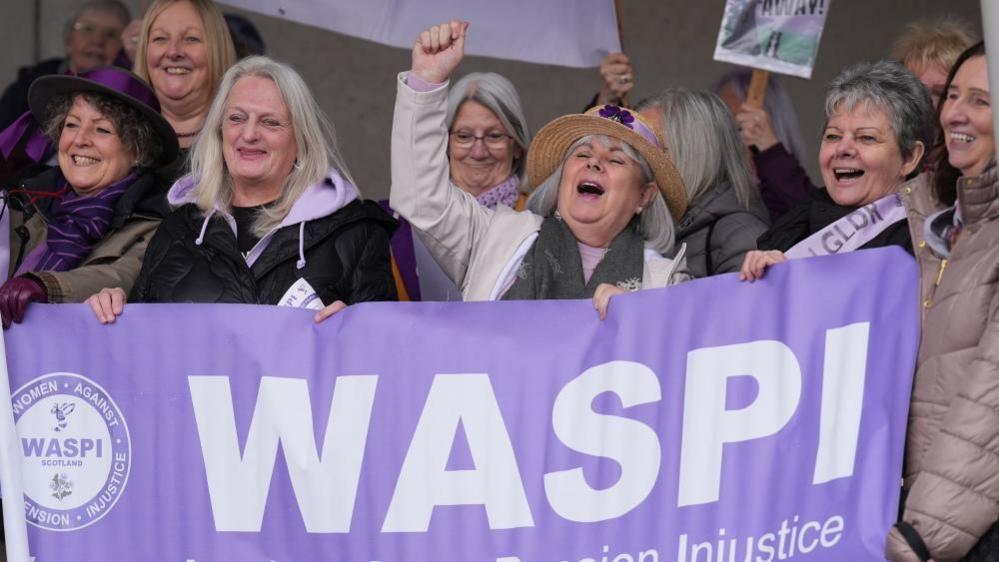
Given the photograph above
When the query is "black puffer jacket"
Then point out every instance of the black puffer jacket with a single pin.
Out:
(817, 212)
(346, 257)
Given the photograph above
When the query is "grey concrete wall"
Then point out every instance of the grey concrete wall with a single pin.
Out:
(671, 44)
(17, 36)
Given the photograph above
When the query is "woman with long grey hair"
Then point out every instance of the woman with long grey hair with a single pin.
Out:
(486, 152)
(724, 215)
(269, 213)
(599, 223)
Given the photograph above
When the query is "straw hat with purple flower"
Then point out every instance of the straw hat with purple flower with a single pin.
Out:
(553, 141)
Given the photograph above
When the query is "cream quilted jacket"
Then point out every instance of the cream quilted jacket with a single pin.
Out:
(952, 445)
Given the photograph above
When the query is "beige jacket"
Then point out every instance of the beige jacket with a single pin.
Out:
(476, 247)
(952, 445)
(114, 262)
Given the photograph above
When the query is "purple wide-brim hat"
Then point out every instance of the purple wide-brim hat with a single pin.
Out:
(116, 83)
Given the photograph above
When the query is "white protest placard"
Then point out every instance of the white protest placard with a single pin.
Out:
(776, 35)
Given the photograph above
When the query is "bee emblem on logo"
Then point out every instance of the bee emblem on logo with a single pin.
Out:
(61, 411)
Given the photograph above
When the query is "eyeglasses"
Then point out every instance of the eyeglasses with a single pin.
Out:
(92, 30)
(465, 139)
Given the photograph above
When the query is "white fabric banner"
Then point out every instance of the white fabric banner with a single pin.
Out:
(561, 32)
(14, 525)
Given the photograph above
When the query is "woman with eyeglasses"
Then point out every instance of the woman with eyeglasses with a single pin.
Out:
(487, 143)
(91, 39)
(600, 218)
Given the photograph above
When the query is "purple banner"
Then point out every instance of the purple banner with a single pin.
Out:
(714, 420)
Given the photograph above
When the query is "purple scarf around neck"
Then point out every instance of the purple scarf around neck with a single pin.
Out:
(76, 223)
(505, 193)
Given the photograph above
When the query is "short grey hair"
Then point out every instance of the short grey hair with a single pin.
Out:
(113, 7)
(136, 133)
(656, 224)
(892, 88)
(315, 139)
(703, 142)
(498, 94)
(778, 106)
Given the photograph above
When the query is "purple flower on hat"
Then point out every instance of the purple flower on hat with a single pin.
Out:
(619, 114)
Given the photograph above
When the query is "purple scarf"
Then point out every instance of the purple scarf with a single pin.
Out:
(505, 193)
(76, 223)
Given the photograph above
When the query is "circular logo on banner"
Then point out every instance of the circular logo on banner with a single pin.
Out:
(76, 450)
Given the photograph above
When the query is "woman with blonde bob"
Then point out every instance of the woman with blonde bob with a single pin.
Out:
(929, 48)
(269, 213)
(184, 49)
(599, 223)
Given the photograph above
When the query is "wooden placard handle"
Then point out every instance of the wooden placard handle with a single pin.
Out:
(757, 93)
(620, 36)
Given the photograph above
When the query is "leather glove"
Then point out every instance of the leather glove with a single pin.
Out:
(15, 295)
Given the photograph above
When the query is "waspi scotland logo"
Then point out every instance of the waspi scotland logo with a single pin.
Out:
(76, 447)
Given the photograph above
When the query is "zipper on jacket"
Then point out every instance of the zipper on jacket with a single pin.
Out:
(932, 291)
(22, 233)
(943, 266)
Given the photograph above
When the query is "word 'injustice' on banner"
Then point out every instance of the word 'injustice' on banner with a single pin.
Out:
(713, 420)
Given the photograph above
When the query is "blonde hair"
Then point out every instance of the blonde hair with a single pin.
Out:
(218, 42)
(315, 140)
(936, 42)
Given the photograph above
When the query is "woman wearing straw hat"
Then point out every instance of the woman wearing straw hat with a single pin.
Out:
(85, 224)
(600, 219)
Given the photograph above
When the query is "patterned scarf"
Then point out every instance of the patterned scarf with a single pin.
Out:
(76, 223)
(552, 268)
(505, 193)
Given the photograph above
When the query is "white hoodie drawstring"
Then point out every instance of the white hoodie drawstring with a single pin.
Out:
(204, 227)
(301, 245)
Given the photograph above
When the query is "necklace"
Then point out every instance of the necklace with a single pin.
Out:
(188, 135)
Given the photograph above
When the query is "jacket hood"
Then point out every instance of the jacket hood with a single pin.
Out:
(317, 201)
(714, 204)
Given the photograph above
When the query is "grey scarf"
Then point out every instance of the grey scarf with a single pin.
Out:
(552, 268)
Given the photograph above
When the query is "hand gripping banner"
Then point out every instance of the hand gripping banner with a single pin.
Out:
(714, 420)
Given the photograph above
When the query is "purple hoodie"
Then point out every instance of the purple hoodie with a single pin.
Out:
(317, 201)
